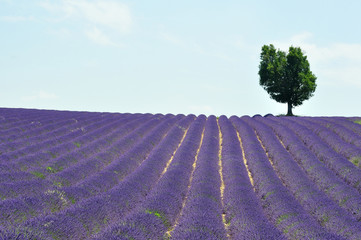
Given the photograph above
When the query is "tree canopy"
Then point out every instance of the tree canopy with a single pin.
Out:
(286, 77)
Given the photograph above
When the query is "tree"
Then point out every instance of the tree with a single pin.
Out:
(286, 77)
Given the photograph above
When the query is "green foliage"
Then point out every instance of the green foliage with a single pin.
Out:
(72, 199)
(157, 214)
(325, 219)
(343, 201)
(287, 229)
(356, 160)
(57, 183)
(2, 197)
(282, 217)
(310, 168)
(77, 144)
(286, 77)
(267, 194)
(160, 216)
(54, 169)
(38, 174)
(357, 121)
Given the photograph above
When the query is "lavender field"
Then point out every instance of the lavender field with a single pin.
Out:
(84, 175)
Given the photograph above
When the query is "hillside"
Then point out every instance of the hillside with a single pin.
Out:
(85, 175)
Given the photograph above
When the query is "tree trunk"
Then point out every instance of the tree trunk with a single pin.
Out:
(289, 111)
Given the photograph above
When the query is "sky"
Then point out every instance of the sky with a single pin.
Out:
(163, 56)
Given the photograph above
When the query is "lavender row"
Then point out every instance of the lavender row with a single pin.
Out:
(351, 152)
(43, 133)
(121, 167)
(34, 114)
(12, 126)
(7, 122)
(83, 168)
(12, 129)
(60, 145)
(343, 132)
(161, 208)
(29, 128)
(28, 113)
(325, 154)
(99, 162)
(52, 141)
(201, 215)
(71, 142)
(326, 180)
(328, 213)
(346, 122)
(9, 146)
(280, 206)
(89, 145)
(90, 216)
(12, 133)
(244, 213)
(56, 199)
(40, 125)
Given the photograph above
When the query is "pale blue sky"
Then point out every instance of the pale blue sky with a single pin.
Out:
(174, 56)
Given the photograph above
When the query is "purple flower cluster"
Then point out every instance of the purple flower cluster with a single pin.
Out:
(327, 212)
(88, 216)
(201, 217)
(344, 169)
(38, 145)
(158, 213)
(55, 165)
(280, 206)
(44, 151)
(50, 199)
(244, 213)
(345, 133)
(98, 154)
(347, 123)
(122, 158)
(348, 150)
